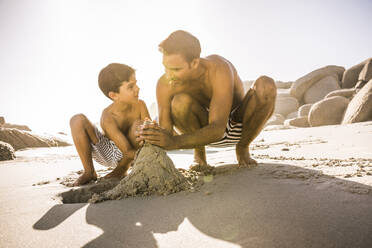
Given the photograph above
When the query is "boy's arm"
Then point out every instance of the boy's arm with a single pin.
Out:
(113, 132)
(144, 111)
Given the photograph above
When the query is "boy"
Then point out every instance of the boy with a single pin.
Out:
(117, 145)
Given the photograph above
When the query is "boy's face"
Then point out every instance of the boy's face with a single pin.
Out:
(128, 91)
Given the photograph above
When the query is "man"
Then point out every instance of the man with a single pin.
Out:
(203, 99)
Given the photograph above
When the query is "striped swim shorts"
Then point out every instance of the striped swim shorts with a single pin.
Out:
(231, 136)
(105, 152)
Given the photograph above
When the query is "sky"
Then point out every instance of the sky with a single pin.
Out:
(52, 51)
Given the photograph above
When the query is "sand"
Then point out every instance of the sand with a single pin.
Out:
(153, 172)
(312, 188)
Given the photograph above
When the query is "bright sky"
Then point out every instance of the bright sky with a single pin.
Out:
(52, 51)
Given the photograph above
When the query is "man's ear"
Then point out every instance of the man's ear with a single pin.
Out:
(195, 63)
(112, 95)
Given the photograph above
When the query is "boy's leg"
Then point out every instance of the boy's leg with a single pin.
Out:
(83, 135)
(121, 169)
(256, 108)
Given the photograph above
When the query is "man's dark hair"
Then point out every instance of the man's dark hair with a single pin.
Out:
(183, 43)
(112, 76)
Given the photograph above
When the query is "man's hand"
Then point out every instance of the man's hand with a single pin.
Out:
(154, 134)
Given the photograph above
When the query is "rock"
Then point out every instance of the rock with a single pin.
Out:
(292, 115)
(153, 173)
(2, 120)
(300, 86)
(282, 93)
(283, 85)
(297, 122)
(6, 151)
(285, 105)
(366, 74)
(360, 107)
(23, 139)
(19, 127)
(304, 110)
(351, 75)
(275, 119)
(348, 93)
(321, 88)
(328, 111)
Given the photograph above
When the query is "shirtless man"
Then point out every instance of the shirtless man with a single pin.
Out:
(204, 100)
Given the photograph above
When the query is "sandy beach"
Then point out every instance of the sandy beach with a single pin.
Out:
(312, 188)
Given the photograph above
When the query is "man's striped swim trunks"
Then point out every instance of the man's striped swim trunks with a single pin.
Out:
(105, 152)
(231, 136)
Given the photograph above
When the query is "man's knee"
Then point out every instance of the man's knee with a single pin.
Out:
(78, 121)
(265, 89)
(181, 104)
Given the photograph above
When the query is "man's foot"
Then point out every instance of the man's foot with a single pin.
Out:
(85, 178)
(243, 157)
(201, 167)
(117, 173)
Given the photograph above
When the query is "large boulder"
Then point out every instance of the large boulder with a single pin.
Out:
(23, 139)
(16, 126)
(292, 115)
(282, 93)
(297, 122)
(321, 88)
(6, 151)
(283, 85)
(328, 111)
(285, 105)
(304, 110)
(366, 74)
(301, 85)
(275, 119)
(348, 93)
(360, 107)
(351, 75)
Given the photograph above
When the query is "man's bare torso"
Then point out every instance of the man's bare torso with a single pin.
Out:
(202, 89)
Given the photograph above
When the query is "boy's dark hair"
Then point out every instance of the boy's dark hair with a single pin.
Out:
(183, 43)
(111, 77)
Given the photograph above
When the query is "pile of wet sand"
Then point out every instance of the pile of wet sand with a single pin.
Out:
(153, 172)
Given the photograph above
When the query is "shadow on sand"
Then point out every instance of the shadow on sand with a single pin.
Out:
(250, 208)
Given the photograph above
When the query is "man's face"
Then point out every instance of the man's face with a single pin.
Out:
(177, 69)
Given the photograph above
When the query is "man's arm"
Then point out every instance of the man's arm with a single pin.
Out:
(113, 132)
(163, 96)
(219, 111)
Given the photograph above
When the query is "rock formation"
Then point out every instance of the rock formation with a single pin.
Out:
(22, 139)
(360, 107)
(6, 151)
(328, 111)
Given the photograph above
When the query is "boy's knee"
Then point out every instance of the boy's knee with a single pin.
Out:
(77, 120)
(181, 104)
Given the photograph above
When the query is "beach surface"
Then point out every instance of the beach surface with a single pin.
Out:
(312, 188)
